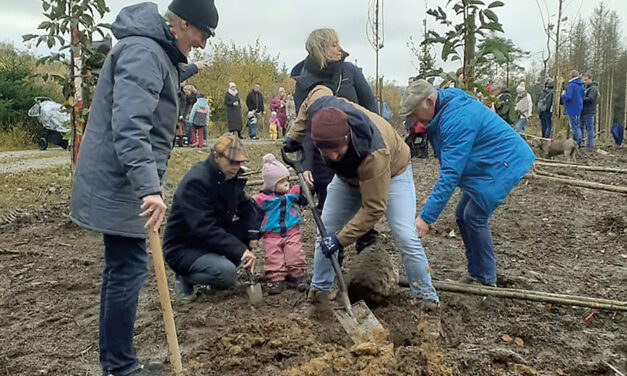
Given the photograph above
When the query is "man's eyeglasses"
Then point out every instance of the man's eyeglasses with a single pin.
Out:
(232, 162)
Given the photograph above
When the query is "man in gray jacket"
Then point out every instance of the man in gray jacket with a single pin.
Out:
(117, 189)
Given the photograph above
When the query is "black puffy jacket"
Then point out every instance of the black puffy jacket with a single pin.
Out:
(209, 214)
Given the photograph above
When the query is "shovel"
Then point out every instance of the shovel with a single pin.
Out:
(253, 289)
(357, 319)
(166, 305)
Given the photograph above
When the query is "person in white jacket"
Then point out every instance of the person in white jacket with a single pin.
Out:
(524, 107)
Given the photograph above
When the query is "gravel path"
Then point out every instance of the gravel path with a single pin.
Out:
(8, 164)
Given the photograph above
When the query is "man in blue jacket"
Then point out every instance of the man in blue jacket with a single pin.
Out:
(479, 153)
(123, 157)
(572, 99)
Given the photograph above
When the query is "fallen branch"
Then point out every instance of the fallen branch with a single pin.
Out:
(260, 181)
(616, 371)
(583, 167)
(532, 136)
(562, 162)
(580, 183)
(538, 296)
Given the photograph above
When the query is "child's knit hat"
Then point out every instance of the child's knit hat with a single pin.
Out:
(273, 113)
(272, 171)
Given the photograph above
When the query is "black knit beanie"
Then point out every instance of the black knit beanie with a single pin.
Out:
(200, 13)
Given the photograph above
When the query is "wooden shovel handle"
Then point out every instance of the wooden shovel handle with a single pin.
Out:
(166, 305)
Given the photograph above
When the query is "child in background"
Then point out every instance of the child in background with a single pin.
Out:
(252, 125)
(274, 126)
(199, 117)
(284, 259)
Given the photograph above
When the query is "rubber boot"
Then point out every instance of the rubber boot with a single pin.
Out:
(194, 143)
(201, 138)
(429, 321)
(317, 305)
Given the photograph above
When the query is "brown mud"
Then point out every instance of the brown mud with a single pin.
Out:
(547, 236)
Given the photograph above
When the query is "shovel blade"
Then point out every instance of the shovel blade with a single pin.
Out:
(362, 326)
(254, 293)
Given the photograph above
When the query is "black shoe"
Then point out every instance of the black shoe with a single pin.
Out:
(297, 283)
(184, 290)
(275, 288)
(366, 240)
(153, 369)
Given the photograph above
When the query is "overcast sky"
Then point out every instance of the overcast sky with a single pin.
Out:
(283, 26)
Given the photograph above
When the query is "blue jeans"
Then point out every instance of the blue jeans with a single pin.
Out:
(587, 126)
(520, 124)
(252, 129)
(342, 203)
(575, 128)
(125, 271)
(475, 230)
(209, 269)
(547, 124)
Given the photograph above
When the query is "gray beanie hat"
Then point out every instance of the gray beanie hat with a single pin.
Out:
(417, 92)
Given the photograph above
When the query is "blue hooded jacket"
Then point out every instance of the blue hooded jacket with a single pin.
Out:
(478, 152)
(572, 97)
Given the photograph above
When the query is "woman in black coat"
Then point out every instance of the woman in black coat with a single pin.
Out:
(233, 110)
(325, 65)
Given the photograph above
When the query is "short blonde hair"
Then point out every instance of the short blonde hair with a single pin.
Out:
(318, 44)
(190, 89)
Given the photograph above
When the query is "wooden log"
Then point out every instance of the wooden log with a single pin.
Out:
(580, 183)
(582, 167)
(614, 305)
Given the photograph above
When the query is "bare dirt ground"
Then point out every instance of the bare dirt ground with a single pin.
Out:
(548, 236)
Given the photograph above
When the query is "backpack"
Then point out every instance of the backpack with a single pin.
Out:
(418, 144)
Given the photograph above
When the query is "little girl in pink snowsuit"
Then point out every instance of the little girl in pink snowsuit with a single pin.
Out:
(284, 259)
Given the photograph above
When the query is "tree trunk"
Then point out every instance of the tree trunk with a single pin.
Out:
(556, 98)
(469, 48)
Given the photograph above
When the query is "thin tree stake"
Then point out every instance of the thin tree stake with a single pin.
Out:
(581, 183)
(582, 167)
(531, 295)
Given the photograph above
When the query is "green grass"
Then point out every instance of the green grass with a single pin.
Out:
(18, 138)
(182, 159)
(31, 189)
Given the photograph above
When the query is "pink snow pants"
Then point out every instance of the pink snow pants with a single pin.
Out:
(283, 257)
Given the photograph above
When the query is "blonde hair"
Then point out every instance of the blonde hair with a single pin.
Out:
(318, 44)
(190, 89)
